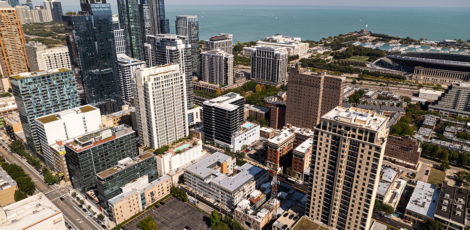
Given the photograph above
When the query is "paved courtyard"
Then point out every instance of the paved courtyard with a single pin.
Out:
(173, 214)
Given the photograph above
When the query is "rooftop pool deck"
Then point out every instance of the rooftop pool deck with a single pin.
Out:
(247, 125)
(181, 148)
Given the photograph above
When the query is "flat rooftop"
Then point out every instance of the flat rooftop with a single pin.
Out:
(30, 211)
(357, 117)
(6, 181)
(206, 170)
(285, 134)
(305, 147)
(388, 175)
(38, 74)
(123, 164)
(424, 199)
(225, 101)
(452, 204)
(139, 185)
(99, 137)
(57, 116)
(221, 37)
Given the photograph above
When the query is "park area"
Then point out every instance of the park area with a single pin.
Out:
(436, 177)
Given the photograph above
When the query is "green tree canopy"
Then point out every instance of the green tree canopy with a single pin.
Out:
(148, 223)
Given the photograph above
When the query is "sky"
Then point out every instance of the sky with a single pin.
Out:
(344, 3)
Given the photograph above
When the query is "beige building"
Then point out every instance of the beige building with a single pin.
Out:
(42, 58)
(255, 219)
(310, 95)
(33, 213)
(7, 189)
(124, 116)
(347, 154)
(129, 202)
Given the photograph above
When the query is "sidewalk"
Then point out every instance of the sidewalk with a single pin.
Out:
(93, 208)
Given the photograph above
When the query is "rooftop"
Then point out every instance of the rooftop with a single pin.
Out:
(217, 52)
(357, 117)
(57, 116)
(139, 185)
(37, 74)
(96, 138)
(388, 175)
(124, 59)
(5, 180)
(305, 147)
(224, 101)
(206, 169)
(28, 212)
(423, 200)
(123, 164)
(285, 134)
(306, 223)
(221, 37)
(452, 203)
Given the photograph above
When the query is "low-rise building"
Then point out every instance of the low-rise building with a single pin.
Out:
(266, 132)
(279, 146)
(255, 218)
(125, 116)
(35, 212)
(217, 178)
(109, 181)
(294, 45)
(452, 207)
(404, 151)
(178, 156)
(8, 187)
(195, 115)
(301, 159)
(137, 196)
(390, 187)
(247, 134)
(256, 113)
(13, 125)
(7, 107)
(423, 203)
(429, 95)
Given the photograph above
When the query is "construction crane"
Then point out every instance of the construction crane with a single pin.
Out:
(274, 182)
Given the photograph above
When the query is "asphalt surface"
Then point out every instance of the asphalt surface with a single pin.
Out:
(73, 215)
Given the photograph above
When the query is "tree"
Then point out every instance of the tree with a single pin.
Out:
(431, 225)
(444, 165)
(381, 207)
(180, 194)
(148, 223)
(81, 202)
(222, 226)
(218, 92)
(19, 195)
(215, 219)
(48, 177)
(100, 217)
(74, 194)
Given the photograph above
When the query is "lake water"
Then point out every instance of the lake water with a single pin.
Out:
(249, 23)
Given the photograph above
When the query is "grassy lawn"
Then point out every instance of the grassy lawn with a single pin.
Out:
(358, 58)
(305, 223)
(436, 177)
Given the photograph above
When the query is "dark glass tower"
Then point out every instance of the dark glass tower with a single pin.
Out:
(90, 39)
(130, 19)
(159, 24)
(188, 25)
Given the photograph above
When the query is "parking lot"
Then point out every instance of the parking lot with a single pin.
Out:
(173, 214)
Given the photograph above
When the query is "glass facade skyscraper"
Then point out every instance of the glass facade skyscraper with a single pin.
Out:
(188, 25)
(90, 39)
(130, 19)
(159, 24)
(41, 93)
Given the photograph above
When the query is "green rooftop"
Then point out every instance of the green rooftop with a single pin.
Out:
(305, 223)
(86, 108)
(48, 119)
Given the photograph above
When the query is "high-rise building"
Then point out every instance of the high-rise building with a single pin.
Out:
(41, 93)
(42, 58)
(173, 49)
(222, 42)
(13, 58)
(130, 19)
(347, 153)
(120, 41)
(217, 67)
(146, 19)
(269, 65)
(30, 4)
(188, 25)
(24, 14)
(222, 117)
(310, 95)
(160, 101)
(127, 67)
(159, 24)
(97, 151)
(62, 126)
(40, 15)
(90, 39)
(55, 9)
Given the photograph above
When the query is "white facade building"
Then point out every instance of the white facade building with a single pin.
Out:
(126, 68)
(249, 133)
(42, 58)
(269, 65)
(33, 213)
(178, 156)
(161, 105)
(65, 125)
(429, 95)
(217, 67)
(120, 41)
(195, 115)
(294, 45)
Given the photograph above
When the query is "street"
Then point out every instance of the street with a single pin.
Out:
(72, 214)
